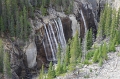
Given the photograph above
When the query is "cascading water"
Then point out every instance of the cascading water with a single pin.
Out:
(84, 40)
(83, 20)
(52, 37)
(58, 32)
(48, 37)
(61, 33)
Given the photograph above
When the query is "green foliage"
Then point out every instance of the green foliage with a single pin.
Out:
(90, 54)
(87, 62)
(101, 62)
(89, 39)
(43, 10)
(75, 49)
(1, 57)
(95, 56)
(59, 52)
(6, 62)
(51, 72)
(112, 46)
(108, 20)
(113, 25)
(10, 22)
(59, 69)
(41, 76)
(67, 56)
(101, 26)
(1, 25)
(72, 67)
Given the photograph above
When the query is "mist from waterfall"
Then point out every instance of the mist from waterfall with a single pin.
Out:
(53, 35)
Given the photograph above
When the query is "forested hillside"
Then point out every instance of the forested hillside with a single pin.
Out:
(47, 39)
(15, 14)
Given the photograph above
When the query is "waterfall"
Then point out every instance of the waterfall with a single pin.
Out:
(58, 32)
(84, 40)
(46, 51)
(48, 37)
(83, 20)
(52, 37)
(62, 33)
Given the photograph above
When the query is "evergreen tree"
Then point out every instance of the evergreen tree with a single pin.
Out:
(101, 27)
(7, 68)
(1, 57)
(67, 56)
(75, 49)
(21, 27)
(108, 21)
(25, 23)
(101, 62)
(59, 69)
(89, 39)
(113, 25)
(118, 18)
(59, 52)
(51, 72)
(104, 51)
(41, 76)
(95, 56)
(2, 29)
(12, 27)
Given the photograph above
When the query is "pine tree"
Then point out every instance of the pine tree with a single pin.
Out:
(75, 49)
(12, 27)
(59, 52)
(25, 16)
(21, 27)
(113, 25)
(101, 27)
(51, 72)
(7, 68)
(118, 18)
(89, 39)
(17, 30)
(59, 68)
(41, 76)
(95, 57)
(108, 21)
(104, 51)
(101, 62)
(67, 56)
(1, 57)
(2, 29)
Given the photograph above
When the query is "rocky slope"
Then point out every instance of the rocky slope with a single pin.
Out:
(109, 70)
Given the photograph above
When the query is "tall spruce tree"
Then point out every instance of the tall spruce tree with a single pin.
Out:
(7, 68)
(51, 72)
(75, 49)
(1, 57)
(108, 21)
(113, 25)
(89, 39)
(41, 76)
(101, 26)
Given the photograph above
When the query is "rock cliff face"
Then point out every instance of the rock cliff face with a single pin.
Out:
(47, 33)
